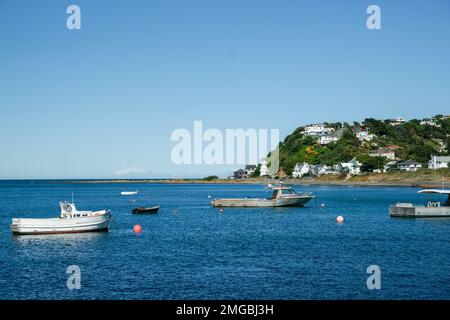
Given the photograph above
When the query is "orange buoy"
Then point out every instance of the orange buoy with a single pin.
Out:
(340, 219)
(137, 228)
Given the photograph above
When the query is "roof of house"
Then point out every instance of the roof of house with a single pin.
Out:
(442, 158)
(393, 147)
(250, 166)
(381, 150)
(301, 164)
(408, 163)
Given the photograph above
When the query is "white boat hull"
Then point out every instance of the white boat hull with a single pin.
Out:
(299, 201)
(129, 193)
(60, 225)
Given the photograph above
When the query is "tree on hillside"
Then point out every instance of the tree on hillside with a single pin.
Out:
(371, 163)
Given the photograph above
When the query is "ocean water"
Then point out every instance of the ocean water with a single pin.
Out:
(190, 250)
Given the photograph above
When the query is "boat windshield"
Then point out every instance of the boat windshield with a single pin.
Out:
(287, 191)
(279, 192)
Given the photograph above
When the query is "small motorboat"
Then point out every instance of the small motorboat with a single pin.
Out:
(283, 196)
(144, 210)
(129, 193)
(70, 220)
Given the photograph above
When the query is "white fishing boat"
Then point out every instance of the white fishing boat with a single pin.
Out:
(70, 220)
(282, 196)
(129, 193)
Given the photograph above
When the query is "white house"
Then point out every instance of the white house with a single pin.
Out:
(430, 122)
(408, 165)
(397, 121)
(437, 162)
(383, 152)
(353, 167)
(317, 130)
(327, 139)
(250, 169)
(300, 169)
(264, 169)
(318, 169)
(364, 136)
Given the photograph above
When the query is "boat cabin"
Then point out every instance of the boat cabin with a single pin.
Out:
(282, 191)
(68, 210)
(437, 203)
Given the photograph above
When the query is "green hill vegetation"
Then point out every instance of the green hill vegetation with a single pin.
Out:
(416, 141)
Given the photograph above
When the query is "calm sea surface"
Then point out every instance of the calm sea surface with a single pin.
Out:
(190, 250)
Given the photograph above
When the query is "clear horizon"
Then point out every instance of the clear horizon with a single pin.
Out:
(101, 102)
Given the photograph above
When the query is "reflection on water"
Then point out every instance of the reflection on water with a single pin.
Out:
(72, 239)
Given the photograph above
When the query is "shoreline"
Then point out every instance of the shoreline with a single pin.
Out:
(299, 182)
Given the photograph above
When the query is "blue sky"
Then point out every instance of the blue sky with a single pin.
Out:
(91, 103)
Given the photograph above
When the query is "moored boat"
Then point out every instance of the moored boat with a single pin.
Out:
(144, 210)
(433, 209)
(129, 193)
(70, 220)
(282, 196)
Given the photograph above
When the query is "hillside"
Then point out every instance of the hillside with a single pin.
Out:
(414, 139)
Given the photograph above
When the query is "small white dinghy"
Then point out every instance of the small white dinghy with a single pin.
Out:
(70, 221)
(129, 193)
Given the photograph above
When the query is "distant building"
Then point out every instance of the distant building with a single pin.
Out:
(335, 169)
(353, 167)
(240, 174)
(408, 165)
(317, 130)
(364, 136)
(393, 147)
(250, 169)
(430, 122)
(437, 162)
(301, 169)
(244, 173)
(383, 152)
(264, 169)
(397, 121)
(327, 139)
(318, 169)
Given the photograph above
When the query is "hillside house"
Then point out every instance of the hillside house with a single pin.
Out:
(408, 165)
(437, 162)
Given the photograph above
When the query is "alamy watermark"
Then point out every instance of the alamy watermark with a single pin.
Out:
(231, 146)
(374, 280)
(74, 20)
(74, 279)
(373, 22)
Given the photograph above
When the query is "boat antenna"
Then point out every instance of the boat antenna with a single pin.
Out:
(72, 198)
